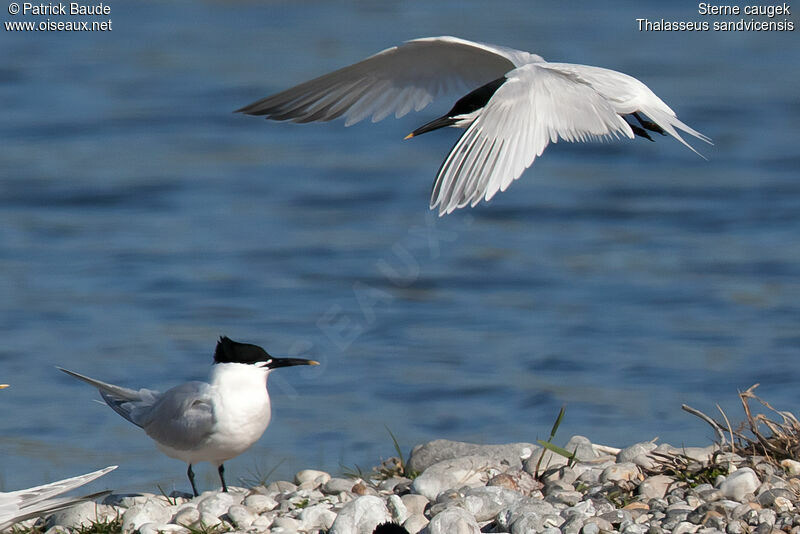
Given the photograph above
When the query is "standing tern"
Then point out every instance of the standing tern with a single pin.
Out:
(23, 504)
(204, 421)
(517, 104)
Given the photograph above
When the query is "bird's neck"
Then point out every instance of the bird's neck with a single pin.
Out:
(238, 377)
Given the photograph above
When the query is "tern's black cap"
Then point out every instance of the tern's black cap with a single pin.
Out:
(389, 528)
(230, 351)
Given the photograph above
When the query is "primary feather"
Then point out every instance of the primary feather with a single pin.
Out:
(522, 103)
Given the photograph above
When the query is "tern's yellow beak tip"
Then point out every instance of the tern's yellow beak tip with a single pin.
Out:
(313, 362)
(3, 386)
(409, 136)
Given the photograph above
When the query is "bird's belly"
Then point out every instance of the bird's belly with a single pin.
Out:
(231, 436)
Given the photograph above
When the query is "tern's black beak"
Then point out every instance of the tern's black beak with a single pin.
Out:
(274, 363)
(435, 124)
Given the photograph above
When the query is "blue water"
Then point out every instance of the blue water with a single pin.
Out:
(140, 219)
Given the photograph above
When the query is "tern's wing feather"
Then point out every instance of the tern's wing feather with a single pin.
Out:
(627, 95)
(19, 505)
(126, 402)
(536, 106)
(181, 417)
(395, 80)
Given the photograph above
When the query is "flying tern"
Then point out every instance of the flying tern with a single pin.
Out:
(210, 421)
(23, 504)
(517, 104)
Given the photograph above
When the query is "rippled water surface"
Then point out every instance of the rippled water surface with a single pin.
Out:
(140, 219)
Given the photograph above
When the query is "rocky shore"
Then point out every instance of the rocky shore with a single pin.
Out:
(461, 488)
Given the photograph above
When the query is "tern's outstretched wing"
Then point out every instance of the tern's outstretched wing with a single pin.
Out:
(19, 505)
(129, 403)
(628, 95)
(541, 103)
(395, 80)
(182, 417)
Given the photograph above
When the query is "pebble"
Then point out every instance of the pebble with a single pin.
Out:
(425, 455)
(470, 470)
(453, 520)
(360, 516)
(464, 488)
(739, 483)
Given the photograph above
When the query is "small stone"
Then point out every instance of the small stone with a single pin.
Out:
(510, 455)
(335, 485)
(655, 487)
(470, 471)
(621, 472)
(261, 523)
(415, 504)
(240, 516)
(360, 515)
(569, 498)
(736, 527)
(397, 509)
(768, 497)
(285, 524)
(83, 514)
(616, 517)
(208, 520)
(739, 483)
(590, 528)
(216, 504)
(573, 525)
(767, 516)
(281, 486)
(152, 510)
(792, 467)
(260, 503)
(485, 503)
(685, 527)
(602, 524)
(316, 478)
(186, 516)
(156, 528)
(564, 474)
(361, 489)
(453, 520)
(415, 523)
(317, 517)
(637, 451)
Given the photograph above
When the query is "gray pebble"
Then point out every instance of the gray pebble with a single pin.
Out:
(151, 511)
(337, 485)
(453, 520)
(81, 515)
(465, 471)
(260, 503)
(240, 516)
(317, 517)
(739, 483)
(415, 503)
(415, 523)
(360, 516)
(216, 504)
(510, 455)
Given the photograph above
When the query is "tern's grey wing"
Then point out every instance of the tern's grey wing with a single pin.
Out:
(395, 80)
(19, 505)
(124, 401)
(182, 417)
